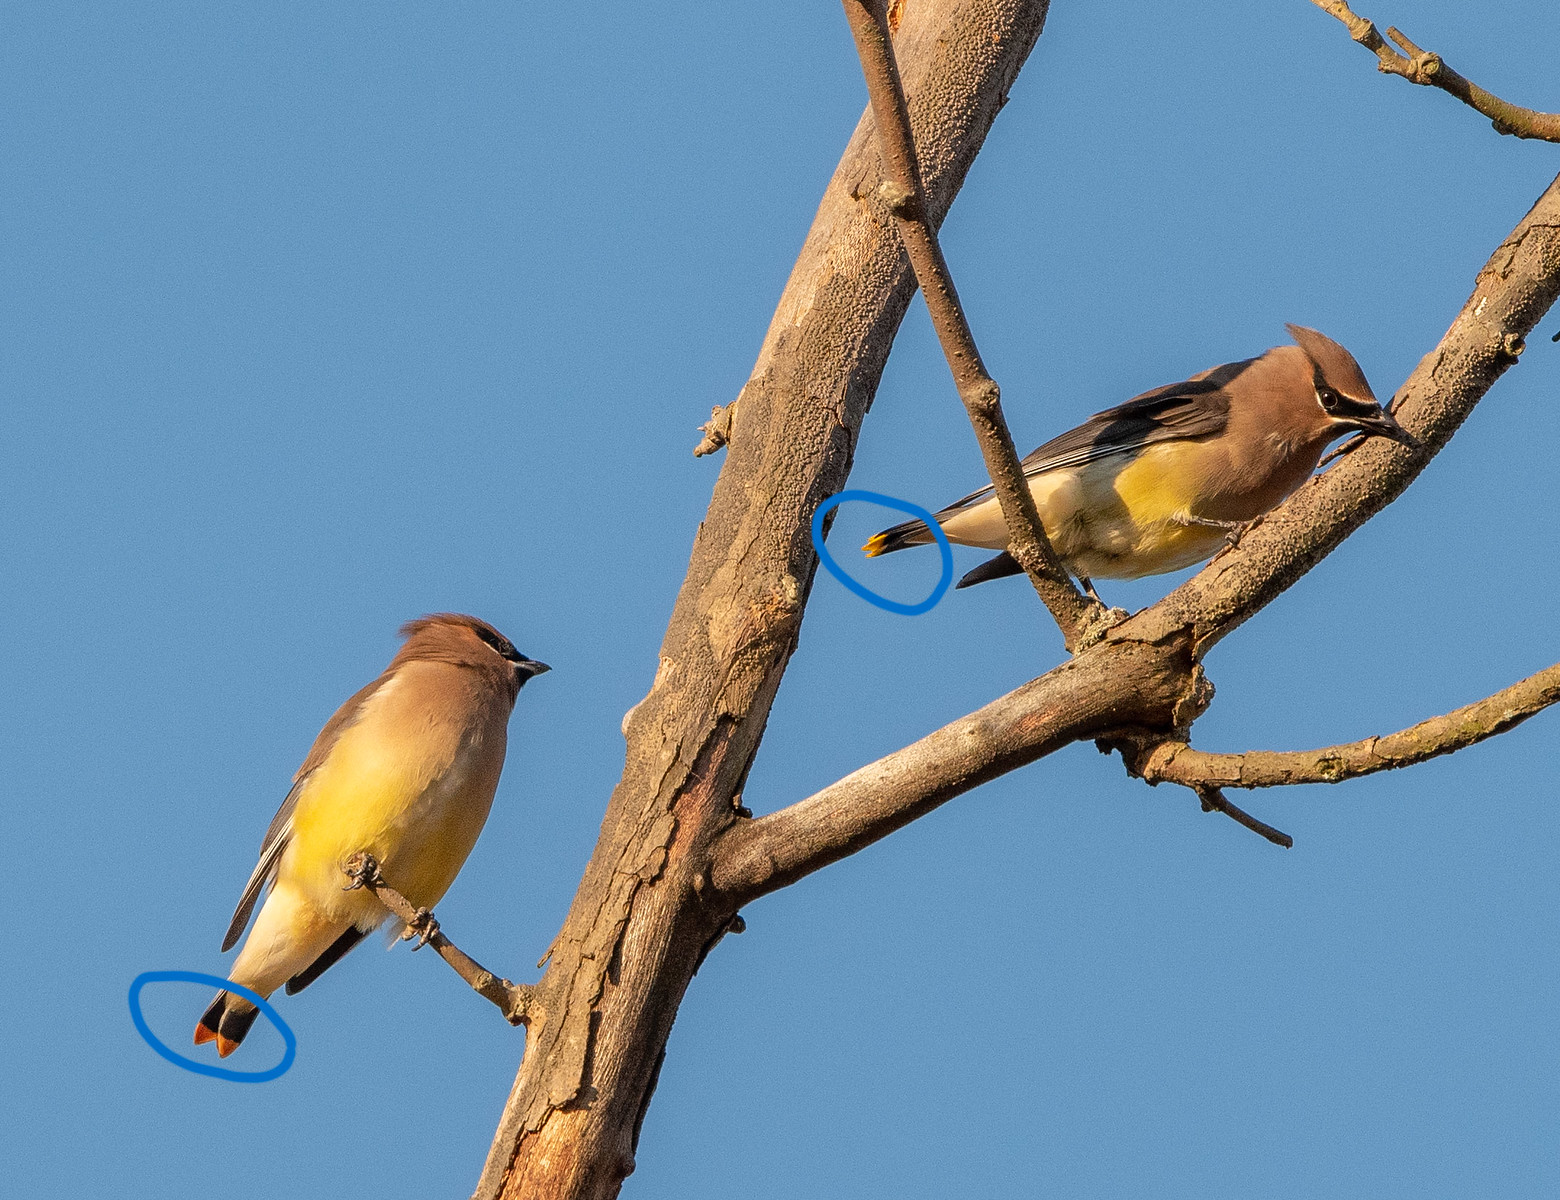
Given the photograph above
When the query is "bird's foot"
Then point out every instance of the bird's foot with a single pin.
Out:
(1097, 622)
(1234, 531)
(1107, 615)
(422, 926)
(363, 869)
(1238, 530)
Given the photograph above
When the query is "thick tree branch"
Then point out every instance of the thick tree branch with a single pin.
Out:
(1133, 686)
(1077, 615)
(1511, 294)
(1428, 69)
(1176, 762)
(640, 924)
(650, 906)
(1513, 291)
(514, 1000)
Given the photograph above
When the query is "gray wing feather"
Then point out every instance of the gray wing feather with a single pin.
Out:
(276, 839)
(1196, 408)
(280, 831)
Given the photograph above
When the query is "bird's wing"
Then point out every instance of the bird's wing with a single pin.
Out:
(279, 833)
(1194, 408)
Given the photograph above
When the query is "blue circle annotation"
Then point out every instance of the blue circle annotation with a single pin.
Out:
(200, 1068)
(866, 593)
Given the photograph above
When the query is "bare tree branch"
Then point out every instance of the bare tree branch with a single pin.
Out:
(1428, 69)
(1176, 762)
(1213, 800)
(1077, 616)
(639, 923)
(1511, 294)
(514, 1000)
(1150, 660)
(1086, 697)
(652, 902)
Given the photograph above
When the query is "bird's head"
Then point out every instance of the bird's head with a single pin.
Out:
(1344, 398)
(468, 641)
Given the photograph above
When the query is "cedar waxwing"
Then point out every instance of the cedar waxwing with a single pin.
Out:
(404, 771)
(1162, 481)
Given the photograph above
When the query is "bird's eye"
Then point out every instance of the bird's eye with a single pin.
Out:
(1329, 398)
(502, 646)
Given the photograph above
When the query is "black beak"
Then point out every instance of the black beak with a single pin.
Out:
(1385, 425)
(530, 668)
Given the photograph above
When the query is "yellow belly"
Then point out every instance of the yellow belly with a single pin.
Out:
(410, 782)
(1136, 519)
(420, 826)
(1116, 518)
(405, 785)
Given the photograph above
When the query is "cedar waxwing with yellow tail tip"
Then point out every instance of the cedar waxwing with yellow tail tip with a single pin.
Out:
(404, 771)
(1162, 481)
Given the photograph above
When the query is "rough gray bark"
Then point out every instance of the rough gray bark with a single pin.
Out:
(1151, 661)
(640, 924)
(674, 860)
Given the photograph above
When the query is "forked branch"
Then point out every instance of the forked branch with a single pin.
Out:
(513, 999)
(1176, 762)
(902, 189)
(673, 862)
(1104, 688)
(1137, 675)
(1429, 70)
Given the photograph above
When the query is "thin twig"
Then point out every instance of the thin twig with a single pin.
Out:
(1078, 617)
(1428, 70)
(513, 1000)
(1176, 762)
(1109, 687)
(1213, 800)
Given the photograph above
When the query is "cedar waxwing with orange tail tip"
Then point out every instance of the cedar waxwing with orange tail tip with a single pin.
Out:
(404, 771)
(1162, 481)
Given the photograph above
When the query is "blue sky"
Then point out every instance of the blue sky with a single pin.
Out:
(319, 317)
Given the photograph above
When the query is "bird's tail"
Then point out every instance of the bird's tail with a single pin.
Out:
(910, 533)
(226, 1022)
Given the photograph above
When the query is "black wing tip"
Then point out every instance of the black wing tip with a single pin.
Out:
(998, 567)
(329, 958)
(237, 926)
(264, 874)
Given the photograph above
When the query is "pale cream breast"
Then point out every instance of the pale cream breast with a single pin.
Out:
(1057, 495)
